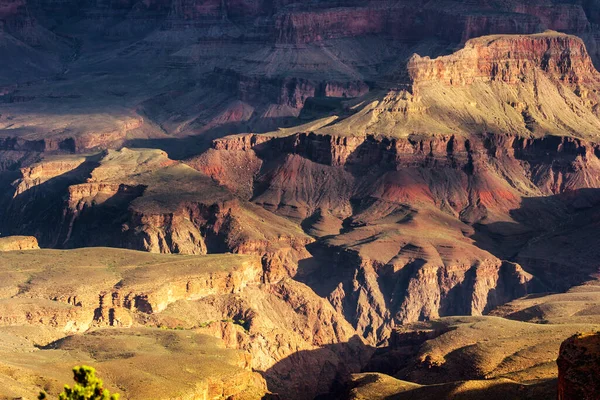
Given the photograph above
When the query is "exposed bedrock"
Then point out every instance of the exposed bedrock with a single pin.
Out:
(408, 227)
(578, 367)
(418, 228)
(509, 59)
(73, 201)
(13, 243)
(284, 326)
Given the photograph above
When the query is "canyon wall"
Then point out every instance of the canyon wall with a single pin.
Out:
(509, 60)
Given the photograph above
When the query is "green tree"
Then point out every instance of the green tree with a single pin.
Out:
(87, 387)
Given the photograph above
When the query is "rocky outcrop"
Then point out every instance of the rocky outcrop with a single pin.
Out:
(571, 18)
(252, 64)
(277, 328)
(37, 174)
(316, 26)
(388, 271)
(578, 367)
(575, 159)
(290, 92)
(152, 297)
(510, 60)
(13, 243)
(199, 228)
(437, 198)
(49, 144)
(377, 295)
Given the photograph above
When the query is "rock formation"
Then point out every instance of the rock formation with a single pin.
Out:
(477, 357)
(369, 195)
(87, 293)
(146, 208)
(12, 243)
(578, 367)
(228, 66)
(510, 60)
(442, 226)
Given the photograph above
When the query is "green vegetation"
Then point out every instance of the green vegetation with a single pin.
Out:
(87, 387)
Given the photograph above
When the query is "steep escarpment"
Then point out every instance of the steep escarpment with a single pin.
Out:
(286, 327)
(283, 91)
(111, 296)
(527, 85)
(446, 223)
(225, 66)
(381, 193)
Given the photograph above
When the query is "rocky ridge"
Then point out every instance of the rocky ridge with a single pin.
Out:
(472, 188)
(509, 59)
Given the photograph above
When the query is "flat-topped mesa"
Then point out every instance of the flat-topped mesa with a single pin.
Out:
(510, 59)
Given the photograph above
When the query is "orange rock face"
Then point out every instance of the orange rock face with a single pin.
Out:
(510, 60)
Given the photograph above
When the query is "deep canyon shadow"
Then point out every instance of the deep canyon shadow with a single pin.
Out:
(553, 238)
(318, 374)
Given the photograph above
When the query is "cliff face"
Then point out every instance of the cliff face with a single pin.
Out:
(73, 306)
(416, 226)
(426, 233)
(493, 85)
(577, 367)
(286, 327)
(284, 91)
(144, 209)
(447, 194)
(316, 26)
(510, 60)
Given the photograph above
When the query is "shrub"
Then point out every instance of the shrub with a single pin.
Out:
(87, 387)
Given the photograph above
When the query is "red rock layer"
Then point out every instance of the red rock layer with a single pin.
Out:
(509, 59)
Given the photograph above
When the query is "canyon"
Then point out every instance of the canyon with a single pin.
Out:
(268, 199)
